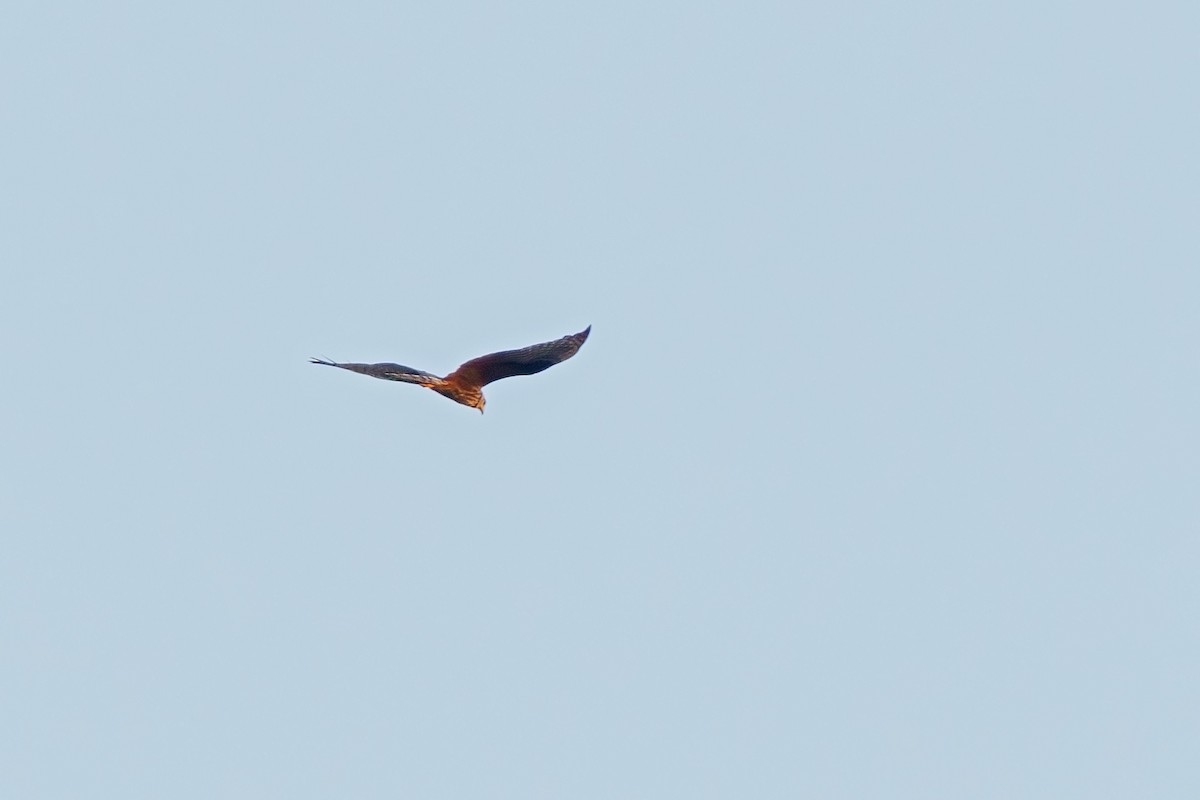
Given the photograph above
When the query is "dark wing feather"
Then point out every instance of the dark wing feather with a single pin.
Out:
(388, 372)
(526, 361)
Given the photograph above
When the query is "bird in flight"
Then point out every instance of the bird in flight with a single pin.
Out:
(465, 384)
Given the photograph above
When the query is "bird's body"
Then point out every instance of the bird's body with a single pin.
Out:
(465, 384)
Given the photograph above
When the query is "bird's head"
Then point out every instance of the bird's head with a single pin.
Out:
(480, 403)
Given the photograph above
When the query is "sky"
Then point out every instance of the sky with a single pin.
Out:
(876, 478)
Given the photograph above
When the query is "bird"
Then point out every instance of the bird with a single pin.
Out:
(465, 384)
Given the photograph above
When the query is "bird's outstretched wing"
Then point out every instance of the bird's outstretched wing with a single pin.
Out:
(388, 372)
(526, 361)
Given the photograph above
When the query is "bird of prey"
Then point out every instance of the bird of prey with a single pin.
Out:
(465, 384)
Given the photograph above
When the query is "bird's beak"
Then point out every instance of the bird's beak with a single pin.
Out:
(480, 410)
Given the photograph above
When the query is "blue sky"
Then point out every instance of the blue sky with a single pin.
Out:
(877, 477)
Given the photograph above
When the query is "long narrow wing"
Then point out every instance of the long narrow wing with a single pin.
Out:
(388, 372)
(526, 361)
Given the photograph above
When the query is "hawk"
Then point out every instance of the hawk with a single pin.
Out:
(466, 383)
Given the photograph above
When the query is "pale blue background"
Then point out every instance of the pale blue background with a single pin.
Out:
(877, 478)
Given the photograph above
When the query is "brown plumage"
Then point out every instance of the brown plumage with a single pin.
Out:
(465, 384)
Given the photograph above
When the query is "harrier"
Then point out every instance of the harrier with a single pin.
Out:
(465, 384)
